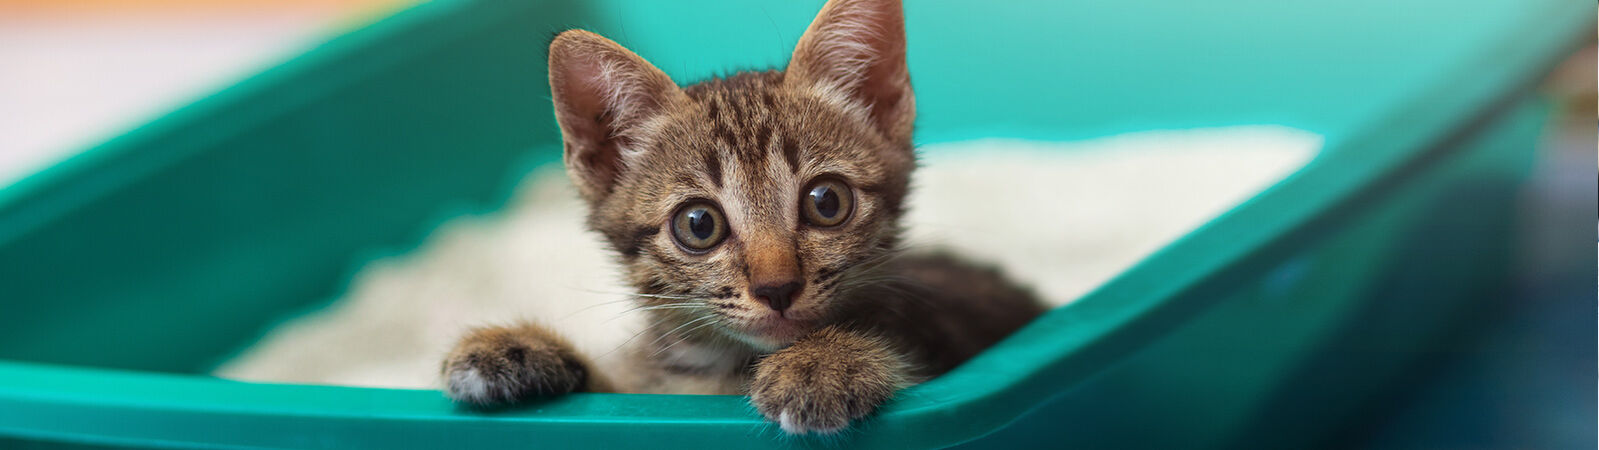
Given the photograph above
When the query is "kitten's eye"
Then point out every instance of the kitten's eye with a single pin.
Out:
(827, 202)
(699, 226)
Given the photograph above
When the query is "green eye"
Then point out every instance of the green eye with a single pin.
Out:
(698, 226)
(828, 202)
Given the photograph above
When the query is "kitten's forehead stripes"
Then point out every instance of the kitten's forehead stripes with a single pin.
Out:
(713, 169)
(744, 112)
(791, 154)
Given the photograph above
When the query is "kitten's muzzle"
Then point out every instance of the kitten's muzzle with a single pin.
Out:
(777, 297)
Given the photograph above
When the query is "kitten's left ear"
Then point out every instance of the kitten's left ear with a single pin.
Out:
(855, 50)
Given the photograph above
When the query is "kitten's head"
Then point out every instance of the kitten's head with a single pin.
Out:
(745, 204)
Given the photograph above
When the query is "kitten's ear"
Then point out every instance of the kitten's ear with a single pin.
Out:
(604, 98)
(855, 49)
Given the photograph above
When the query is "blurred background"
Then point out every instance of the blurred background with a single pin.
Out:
(74, 73)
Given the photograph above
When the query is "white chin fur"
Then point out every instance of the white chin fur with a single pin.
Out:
(759, 343)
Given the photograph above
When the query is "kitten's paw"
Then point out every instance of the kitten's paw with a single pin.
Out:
(825, 381)
(498, 366)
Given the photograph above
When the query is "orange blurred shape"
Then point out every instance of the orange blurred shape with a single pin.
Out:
(15, 8)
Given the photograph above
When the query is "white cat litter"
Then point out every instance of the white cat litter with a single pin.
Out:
(1062, 217)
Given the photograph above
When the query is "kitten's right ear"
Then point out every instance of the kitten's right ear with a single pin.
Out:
(604, 98)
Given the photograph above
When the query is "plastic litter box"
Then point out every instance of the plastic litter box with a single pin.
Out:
(131, 269)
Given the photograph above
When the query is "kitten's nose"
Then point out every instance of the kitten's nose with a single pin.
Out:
(778, 297)
(774, 273)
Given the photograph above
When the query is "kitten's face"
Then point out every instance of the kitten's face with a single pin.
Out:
(756, 203)
(744, 208)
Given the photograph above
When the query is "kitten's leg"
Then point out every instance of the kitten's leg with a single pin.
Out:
(500, 365)
(825, 380)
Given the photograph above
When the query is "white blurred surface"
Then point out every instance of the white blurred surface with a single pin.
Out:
(71, 81)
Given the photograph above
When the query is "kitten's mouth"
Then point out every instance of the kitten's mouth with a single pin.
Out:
(774, 331)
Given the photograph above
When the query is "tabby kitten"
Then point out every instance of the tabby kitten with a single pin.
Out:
(757, 216)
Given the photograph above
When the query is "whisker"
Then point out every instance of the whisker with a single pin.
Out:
(612, 302)
(677, 305)
(596, 305)
(661, 307)
(679, 327)
(685, 337)
(667, 297)
(635, 294)
(630, 339)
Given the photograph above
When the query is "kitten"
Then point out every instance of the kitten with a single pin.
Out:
(757, 216)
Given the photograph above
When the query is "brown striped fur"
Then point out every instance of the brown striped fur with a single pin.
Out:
(865, 318)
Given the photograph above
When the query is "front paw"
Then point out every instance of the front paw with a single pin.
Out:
(497, 366)
(825, 381)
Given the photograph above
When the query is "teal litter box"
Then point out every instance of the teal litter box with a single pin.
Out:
(130, 270)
